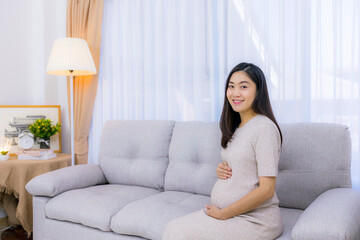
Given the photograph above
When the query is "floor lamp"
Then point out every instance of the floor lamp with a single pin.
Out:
(71, 57)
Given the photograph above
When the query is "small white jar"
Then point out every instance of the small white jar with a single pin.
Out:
(4, 157)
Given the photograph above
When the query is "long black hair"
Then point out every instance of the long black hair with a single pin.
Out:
(230, 119)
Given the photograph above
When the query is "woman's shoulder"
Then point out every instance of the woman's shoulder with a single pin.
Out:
(265, 132)
(264, 120)
(263, 124)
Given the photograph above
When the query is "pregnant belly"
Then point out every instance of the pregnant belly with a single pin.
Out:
(226, 192)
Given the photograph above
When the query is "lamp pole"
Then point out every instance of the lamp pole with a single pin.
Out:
(72, 116)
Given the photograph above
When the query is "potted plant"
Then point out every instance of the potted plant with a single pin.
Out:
(43, 129)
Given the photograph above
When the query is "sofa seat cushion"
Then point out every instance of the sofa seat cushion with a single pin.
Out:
(149, 217)
(289, 218)
(94, 206)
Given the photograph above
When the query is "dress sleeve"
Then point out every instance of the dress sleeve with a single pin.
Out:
(267, 150)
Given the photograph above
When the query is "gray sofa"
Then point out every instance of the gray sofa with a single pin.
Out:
(151, 172)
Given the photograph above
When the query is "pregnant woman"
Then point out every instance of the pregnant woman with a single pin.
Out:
(244, 204)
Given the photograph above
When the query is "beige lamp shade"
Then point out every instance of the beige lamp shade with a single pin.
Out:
(71, 54)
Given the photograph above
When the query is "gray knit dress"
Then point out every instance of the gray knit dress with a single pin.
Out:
(253, 152)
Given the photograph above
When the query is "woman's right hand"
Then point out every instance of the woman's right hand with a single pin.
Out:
(223, 171)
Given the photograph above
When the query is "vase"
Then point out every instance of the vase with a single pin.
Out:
(4, 157)
(44, 143)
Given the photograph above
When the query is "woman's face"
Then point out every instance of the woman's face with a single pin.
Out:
(241, 92)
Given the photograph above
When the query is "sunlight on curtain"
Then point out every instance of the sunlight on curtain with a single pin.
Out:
(161, 60)
(169, 60)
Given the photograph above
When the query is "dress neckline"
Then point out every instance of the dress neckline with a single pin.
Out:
(248, 121)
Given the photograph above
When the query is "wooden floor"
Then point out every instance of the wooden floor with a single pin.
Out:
(3, 224)
(15, 233)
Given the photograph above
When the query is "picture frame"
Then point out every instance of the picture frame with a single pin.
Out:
(16, 118)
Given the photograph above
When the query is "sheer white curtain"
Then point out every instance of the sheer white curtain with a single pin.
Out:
(169, 60)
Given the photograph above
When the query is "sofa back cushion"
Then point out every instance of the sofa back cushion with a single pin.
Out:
(315, 157)
(194, 153)
(135, 152)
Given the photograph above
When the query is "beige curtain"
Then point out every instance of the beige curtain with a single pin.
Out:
(83, 20)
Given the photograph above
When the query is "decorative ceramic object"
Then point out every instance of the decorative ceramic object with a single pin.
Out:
(4, 157)
(44, 143)
(5, 146)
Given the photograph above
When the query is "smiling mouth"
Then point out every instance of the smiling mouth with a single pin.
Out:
(237, 101)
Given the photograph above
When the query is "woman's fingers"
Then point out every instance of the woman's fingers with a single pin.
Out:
(223, 171)
(226, 170)
(225, 166)
(227, 174)
(219, 172)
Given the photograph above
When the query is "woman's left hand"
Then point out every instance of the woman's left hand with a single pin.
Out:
(215, 212)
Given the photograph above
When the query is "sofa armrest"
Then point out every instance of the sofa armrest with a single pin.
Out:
(335, 214)
(55, 182)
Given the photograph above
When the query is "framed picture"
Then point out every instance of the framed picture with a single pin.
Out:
(14, 119)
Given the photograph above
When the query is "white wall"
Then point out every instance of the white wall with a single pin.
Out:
(28, 30)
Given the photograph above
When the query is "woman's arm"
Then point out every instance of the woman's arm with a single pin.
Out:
(254, 199)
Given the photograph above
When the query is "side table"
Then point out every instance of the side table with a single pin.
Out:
(15, 174)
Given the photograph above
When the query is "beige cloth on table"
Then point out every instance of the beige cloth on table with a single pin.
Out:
(14, 175)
